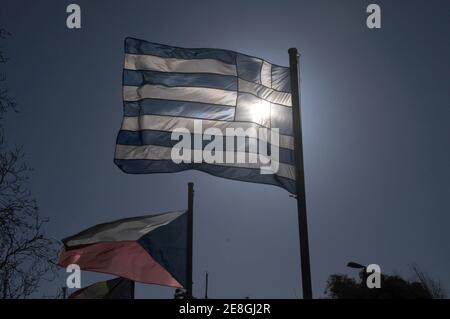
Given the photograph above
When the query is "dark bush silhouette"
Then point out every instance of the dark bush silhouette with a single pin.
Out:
(392, 287)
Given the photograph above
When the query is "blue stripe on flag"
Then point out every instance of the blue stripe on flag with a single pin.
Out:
(180, 109)
(135, 46)
(162, 138)
(281, 78)
(234, 173)
(214, 81)
(249, 68)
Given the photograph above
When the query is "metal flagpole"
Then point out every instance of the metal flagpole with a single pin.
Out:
(206, 286)
(300, 174)
(133, 289)
(190, 226)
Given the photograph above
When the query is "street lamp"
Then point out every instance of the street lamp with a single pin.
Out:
(355, 265)
(364, 271)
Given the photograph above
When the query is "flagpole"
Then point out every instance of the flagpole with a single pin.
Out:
(190, 226)
(206, 286)
(300, 174)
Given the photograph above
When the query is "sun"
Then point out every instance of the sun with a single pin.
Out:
(260, 113)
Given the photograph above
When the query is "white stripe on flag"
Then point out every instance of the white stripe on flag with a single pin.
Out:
(156, 152)
(156, 63)
(170, 123)
(266, 74)
(129, 229)
(180, 93)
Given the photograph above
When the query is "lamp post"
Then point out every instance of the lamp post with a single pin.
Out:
(355, 265)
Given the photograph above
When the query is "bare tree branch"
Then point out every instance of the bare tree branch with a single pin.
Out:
(26, 254)
(6, 102)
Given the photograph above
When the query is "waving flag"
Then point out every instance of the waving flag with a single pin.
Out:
(166, 88)
(147, 249)
(117, 288)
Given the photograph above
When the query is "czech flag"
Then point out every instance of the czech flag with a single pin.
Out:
(148, 249)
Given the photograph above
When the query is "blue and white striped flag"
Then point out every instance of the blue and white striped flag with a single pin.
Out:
(168, 90)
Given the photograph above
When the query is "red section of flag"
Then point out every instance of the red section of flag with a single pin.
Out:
(125, 259)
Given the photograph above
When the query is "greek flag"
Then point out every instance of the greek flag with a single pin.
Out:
(166, 88)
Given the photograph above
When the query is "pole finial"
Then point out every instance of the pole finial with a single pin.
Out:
(293, 51)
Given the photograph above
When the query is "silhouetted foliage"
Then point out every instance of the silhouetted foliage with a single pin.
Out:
(392, 287)
(25, 252)
(434, 288)
(6, 102)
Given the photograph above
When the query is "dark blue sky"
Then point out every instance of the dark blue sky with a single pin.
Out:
(376, 114)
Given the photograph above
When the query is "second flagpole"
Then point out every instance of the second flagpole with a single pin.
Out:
(190, 235)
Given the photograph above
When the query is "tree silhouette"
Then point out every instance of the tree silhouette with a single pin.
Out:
(26, 254)
(6, 102)
(392, 287)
